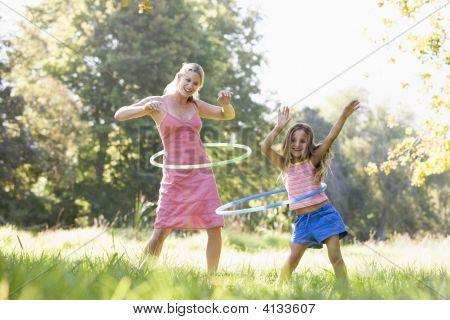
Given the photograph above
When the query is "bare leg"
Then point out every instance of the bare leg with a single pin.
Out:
(154, 246)
(335, 256)
(213, 248)
(297, 251)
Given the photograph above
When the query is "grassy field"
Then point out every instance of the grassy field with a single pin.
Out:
(96, 264)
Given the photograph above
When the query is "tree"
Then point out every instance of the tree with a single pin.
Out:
(19, 155)
(107, 56)
(427, 150)
(376, 204)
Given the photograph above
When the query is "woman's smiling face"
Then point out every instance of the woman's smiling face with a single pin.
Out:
(188, 83)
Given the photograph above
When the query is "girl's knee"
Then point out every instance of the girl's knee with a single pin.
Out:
(335, 257)
(297, 252)
(334, 249)
(294, 257)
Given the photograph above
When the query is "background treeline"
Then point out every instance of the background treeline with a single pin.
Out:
(65, 161)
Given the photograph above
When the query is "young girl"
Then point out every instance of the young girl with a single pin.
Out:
(304, 165)
(187, 198)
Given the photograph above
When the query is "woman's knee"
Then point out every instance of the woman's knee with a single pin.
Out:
(159, 235)
(214, 232)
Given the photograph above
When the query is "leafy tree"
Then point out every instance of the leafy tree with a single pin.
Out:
(19, 155)
(389, 202)
(107, 56)
(427, 151)
(376, 205)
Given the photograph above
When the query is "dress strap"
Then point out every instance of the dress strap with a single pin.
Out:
(195, 104)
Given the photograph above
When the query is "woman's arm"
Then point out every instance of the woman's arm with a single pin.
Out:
(224, 112)
(142, 108)
(334, 132)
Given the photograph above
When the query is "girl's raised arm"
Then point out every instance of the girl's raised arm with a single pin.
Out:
(266, 145)
(334, 132)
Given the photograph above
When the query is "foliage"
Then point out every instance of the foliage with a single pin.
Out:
(141, 206)
(427, 150)
(20, 158)
(377, 204)
(66, 161)
(105, 56)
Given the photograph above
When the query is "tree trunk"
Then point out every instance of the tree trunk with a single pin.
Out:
(101, 156)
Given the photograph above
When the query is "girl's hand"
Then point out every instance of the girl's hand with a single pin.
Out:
(283, 117)
(152, 106)
(350, 108)
(224, 97)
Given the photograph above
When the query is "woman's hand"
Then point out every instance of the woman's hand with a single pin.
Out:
(152, 106)
(224, 97)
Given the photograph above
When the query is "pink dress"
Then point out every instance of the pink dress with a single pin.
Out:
(187, 198)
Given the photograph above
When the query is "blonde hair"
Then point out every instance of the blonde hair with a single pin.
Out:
(324, 164)
(185, 68)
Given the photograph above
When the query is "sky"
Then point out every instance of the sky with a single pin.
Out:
(307, 43)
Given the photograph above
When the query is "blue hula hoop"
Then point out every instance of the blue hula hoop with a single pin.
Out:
(222, 209)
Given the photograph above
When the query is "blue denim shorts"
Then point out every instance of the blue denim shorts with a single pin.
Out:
(315, 227)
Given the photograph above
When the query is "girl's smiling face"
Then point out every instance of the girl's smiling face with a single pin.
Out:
(299, 144)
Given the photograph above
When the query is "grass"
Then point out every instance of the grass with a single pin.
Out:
(66, 264)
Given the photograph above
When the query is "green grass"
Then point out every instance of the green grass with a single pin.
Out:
(50, 265)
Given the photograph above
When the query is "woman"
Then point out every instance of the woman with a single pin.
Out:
(187, 198)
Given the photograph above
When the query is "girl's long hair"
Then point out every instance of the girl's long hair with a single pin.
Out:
(324, 165)
(186, 67)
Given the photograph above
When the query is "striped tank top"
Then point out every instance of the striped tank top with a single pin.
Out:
(299, 180)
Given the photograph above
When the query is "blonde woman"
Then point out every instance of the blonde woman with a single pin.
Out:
(187, 198)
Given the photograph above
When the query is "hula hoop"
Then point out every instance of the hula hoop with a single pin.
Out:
(247, 153)
(222, 209)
